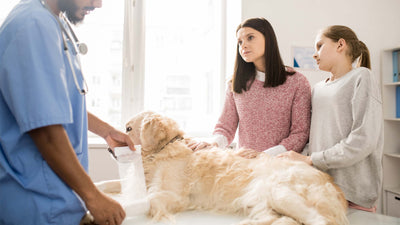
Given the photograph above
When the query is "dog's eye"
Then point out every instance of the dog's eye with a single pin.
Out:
(128, 129)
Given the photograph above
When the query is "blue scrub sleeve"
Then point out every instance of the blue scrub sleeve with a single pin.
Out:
(34, 85)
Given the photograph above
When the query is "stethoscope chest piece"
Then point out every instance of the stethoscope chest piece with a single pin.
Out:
(83, 48)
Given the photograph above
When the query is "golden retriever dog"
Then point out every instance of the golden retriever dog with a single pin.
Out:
(265, 190)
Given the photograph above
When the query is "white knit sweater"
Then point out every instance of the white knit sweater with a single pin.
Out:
(346, 136)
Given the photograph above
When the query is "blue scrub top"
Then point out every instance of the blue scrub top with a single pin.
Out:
(37, 89)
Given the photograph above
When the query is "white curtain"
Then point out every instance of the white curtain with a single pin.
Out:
(133, 59)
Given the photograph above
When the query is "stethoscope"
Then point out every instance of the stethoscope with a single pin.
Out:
(78, 47)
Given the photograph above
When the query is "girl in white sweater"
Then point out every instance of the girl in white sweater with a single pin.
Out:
(346, 136)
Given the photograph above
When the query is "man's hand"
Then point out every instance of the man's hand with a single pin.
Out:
(55, 147)
(116, 138)
(104, 209)
(113, 137)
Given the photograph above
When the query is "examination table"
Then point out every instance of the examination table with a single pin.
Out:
(356, 217)
(206, 218)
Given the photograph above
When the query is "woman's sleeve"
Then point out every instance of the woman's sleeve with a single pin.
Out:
(365, 132)
(301, 117)
(229, 119)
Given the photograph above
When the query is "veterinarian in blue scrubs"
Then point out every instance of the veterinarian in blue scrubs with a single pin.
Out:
(44, 122)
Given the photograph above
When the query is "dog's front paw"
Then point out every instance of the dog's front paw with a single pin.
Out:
(109, 186)
(158, 214)
(248, 222)
(284, 220)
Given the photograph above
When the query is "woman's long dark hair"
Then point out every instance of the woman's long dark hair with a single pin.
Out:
(275, 70)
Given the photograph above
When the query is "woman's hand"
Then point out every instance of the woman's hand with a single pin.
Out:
(248, 153)
(201, 145)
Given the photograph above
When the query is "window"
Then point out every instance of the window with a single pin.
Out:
(5, 8)
(102, 31)
(186, 63)
(183, 53)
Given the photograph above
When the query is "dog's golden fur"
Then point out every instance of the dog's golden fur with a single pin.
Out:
(266, 190)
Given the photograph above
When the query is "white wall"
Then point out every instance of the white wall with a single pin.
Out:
(296, 22)
(101, 165)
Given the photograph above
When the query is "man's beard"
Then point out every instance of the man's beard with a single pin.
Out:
(70, 9)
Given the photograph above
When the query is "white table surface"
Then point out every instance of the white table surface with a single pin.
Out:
(188, 218)
(356, 217)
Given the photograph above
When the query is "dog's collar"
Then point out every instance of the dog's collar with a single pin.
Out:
(176, 138)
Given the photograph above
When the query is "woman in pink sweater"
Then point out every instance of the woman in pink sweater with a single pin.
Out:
(267, 102)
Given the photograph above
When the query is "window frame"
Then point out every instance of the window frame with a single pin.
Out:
(134, 59)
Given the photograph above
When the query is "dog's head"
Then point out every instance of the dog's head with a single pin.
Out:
(153, 131)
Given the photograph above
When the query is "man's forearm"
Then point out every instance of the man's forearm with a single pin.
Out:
(54, 145)
(112, 136)
(98, 126)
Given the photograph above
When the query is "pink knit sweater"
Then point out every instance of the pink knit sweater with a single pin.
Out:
(270, 116)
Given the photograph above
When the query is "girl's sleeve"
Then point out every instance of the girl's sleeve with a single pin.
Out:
(229, 119)
(301, 117)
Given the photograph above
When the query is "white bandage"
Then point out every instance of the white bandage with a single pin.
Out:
(133, 184)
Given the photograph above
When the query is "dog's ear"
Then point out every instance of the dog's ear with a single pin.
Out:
(133, 126)
(153, 132)
(157, 131)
